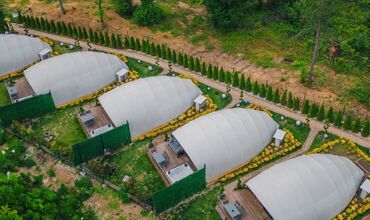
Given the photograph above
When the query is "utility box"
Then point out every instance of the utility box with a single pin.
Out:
(200, 102)
(279, 137)
(365, 189)
(45, 54)
(122, 75)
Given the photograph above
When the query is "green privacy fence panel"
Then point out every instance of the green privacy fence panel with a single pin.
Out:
(28, 108)
(179, 191)
(94, 147)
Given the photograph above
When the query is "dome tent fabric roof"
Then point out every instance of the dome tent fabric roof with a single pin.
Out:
(225, 139)
(309, 187)
(73, 75)
(149, 102)
(18, 51)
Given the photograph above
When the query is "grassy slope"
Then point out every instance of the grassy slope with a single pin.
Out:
(142, 68)
(215, 95)
(4, 97)
(301, 132)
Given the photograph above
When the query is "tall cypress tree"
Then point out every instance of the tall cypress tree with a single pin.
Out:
(96, 38)
(180, 60)
(91, 35)
(79, 33)
(119, 42)
(276, 98)
(127, 42)
(32, 22)
(204, 69)
(132, 43)
(70, 30)
(366, 130)
(283, 100)
(290, 100)
(356, 126)
(169, 54)
(256, 88)
(215, 73)
(297, 103)
(222, 75)
(263, 91)
(113, 40)
(236, 80)
(306, 107)
(75, 32)
(313, 110)
(152, 49)
(158, 51)
(330, 115)
(197, 65)
(106, 39)
(47, 25)
(242, 82)
(321, 114)
(137, 45)
(228, 77)
(348, 123)
(143, 46)
(101, 38)
(59, 28)
(148, 47)
(174, 56)
(338, 119)
(64, 29)
(191, 63)
(37, 23)
(42, 24)
(209, 71)
(186, 61)
(270, 94)
(84, 33)
(52, 27)
(163, 50)
(248, 85)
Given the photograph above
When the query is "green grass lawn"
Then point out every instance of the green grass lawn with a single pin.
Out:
(134, 163)
(215, 95)
(142, 68)
(301, 132)
(4, 97)
(201, 208)
(65, 48)
(63, 124)
(319, 139)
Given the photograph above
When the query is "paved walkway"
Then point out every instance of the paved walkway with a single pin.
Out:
(235, 93)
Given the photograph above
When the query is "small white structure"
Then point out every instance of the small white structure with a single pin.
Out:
(45, 54)
(279, 136)
(122, 74)
(200, 101)
(179, 173)
(365, 189)
(101, 130)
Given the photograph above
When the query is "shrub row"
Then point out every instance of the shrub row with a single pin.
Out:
(236, 79)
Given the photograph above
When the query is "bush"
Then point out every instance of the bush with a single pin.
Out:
(366, 130)
(148, 13)
(2, 138)
(84, 182)
(124, 7)
(122, 194)
(51, 173)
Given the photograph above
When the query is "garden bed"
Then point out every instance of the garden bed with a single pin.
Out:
(143, 67)
(4, 97)
(215, 95)
(61, 49)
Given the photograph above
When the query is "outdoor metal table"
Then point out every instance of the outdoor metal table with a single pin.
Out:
(158, 157)
(232, 210)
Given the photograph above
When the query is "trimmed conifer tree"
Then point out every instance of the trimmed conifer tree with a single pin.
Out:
(242, 82)
(84, 33)
(197, 65)
(137, 45)
(80, 33)
(356, 126)
(290, 100)
(186, 61)
(101, 38)
(256, 88)
(64, 29)
(338, 119)
(297, 103)
(348, 123)
(132, 43)
(276, 98)
(169, 54)
(106, 39)
(306, 107)
(47, 25)
(37, 23)
(228, 77)
(148, 47)
(330, 115)
(70, 30)
(143, 46)
(191, 63)
(209, 71)
(283, 100)
(152, 49)
(321, 113)
(58, 28)
(215, 73)
(262, 93)
(91, 35)
(119, 42)
(313, 110)
(52, 27)
(96, 38)
(204, 69)
(127, 42)
(270, 94)
(366, 129)
(163, 49)
(113, 40)
(32, 22)
(180, 59)
(158, 52)
(248, 85)
(222, 75)
(42, 23)
(174, 56)
(236, 80)
(75, 32)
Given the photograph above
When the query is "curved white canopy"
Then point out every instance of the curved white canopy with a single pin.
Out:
(73, 75)
(18, 51)
(309, 187)
(225, 139)
(149, 102)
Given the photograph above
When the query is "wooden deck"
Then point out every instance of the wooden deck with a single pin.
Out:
(252, 208)
(101, 118)
(23, 88)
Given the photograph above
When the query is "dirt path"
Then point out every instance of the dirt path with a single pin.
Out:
(85, 11)
(235, 92)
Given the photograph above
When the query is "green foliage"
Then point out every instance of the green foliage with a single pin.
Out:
(174, 59)
(242, 82)
(51, 173)
(256, 88)
(263, 91)
(169, 54)
(313, 110)
(191, 63)
(270, 94)
(235, 80)
(348, 123)
(330, 115)
(127, 42)
(96, 38)
(101, 38)
(52, 27)
(222, 75)
(70, 30)
(123, 195)
(58, 28)
(124, 8)
(204, 69)
(113, 40)
(209, 71)
(366, 129)
(296, 104)
(158, 51)
(338, 119)
(276, 98)
(215, 73)
(132, 44)
(91, 35)
(290, 100)
(197, 65)
(84, 34)
(180, 60)
(283, 100)
(306, 107)
(119, 42)
(2, 137)
(137, 45)
(248, 85)
(106, 39)
(148, 13)
(228, 78)
(356, 126)
(321, 113)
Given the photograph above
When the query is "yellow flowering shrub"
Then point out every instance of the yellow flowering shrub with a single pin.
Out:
(46, 40)
(259, 108)
(271, 152)
(342, 140)
(356, 207)
(184, 118)
(184, 76)
(122, 57)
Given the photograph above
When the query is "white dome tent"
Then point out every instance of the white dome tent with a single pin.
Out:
(73, 75)
(150, 102)
(225, 139)
(19, 51)
(308, 187)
